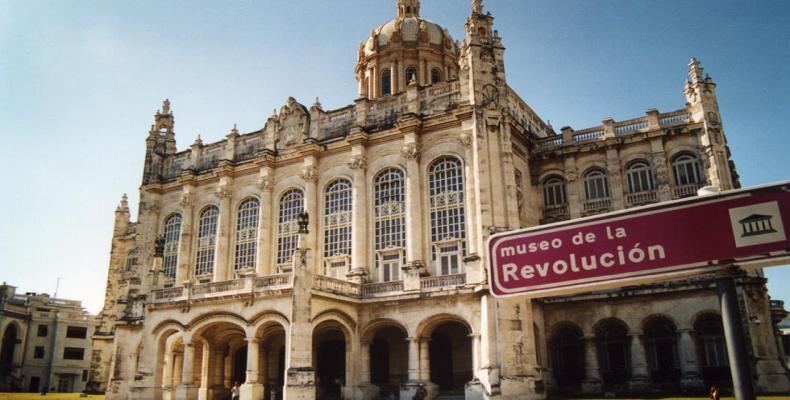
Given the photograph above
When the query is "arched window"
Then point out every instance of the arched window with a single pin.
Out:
(711, 348)
(291, 204)
(662, 350)
(448, 221)
(247, 234)
(172, 236)
(206, 241)
(567, 360)
(411, 75)
(386, 83)
(436, 75)
(337, 226)
(596, 185)
(390, 223)
(612, 338)
(640, 177)
(686, 170)
(554, 192)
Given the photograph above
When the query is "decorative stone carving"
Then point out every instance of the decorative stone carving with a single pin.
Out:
(411, 151)
(186, 200)
(358, 163)
(466, 140)
(265, 183)
(490, 95)
(310, 174)
(572, 176)
(292, 125)
(222, 192)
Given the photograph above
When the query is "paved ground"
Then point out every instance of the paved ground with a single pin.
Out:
(50, 396)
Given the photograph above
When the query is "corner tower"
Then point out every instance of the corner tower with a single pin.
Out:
(407, 49)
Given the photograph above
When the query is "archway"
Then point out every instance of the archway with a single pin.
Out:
(389, 361)
(272, 360)
(662, 350)
(450, 355)
(712, 350)
(223, 358)
(329, 360)
(8, 349)
(613, 352)
(567, 355)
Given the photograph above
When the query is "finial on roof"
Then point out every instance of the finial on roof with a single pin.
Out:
(166, 106)
(198, 141)
(695, 70)
(477, 6)
(123, 205)
(235, 129)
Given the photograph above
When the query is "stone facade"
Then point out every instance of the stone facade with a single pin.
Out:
(380, 289)
(46, 343)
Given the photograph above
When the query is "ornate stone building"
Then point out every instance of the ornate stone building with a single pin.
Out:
(381, 291)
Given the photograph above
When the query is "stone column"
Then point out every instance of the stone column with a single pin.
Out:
(167, 371)
(310, 176)
(473, 237)
(615, 178)
(661, 167)
(227, 369)
(359, 220)
(223, 267)
(425, 360)
(414, 358)
(178, 368)
(689, 367)
(185, 241)
(252, 389)
(263, 375)
(574, 198)
(364, 361)
(203, 392)
(475, 353)
(217, 373)
(264, 261)
(592, 372)
(640, 378)
(414, 221)
(187, 389)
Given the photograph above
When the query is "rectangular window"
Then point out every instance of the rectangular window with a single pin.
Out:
(84, 375)
(391, 265)
(448, 260)
(42, 330)
(73, 353)
(38, 352)
(77, 332)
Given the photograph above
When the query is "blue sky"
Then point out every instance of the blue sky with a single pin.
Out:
(80, 81)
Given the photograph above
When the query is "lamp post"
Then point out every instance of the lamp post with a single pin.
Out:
(303, 219)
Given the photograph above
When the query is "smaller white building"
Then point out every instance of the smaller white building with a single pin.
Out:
(46, 343)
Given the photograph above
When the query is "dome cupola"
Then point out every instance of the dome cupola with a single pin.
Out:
(405, 49)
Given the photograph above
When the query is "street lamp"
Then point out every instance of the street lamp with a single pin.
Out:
(302, 219)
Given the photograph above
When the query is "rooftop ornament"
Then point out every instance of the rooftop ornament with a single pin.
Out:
(302, 219)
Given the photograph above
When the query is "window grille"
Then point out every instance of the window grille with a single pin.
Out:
(446, 191)
(206, 241)
(247, 234)
(554, 192)
(640, 177)
(386, 83)
(172, 236)
(131, 261)
(390, 211)
(686, 170)
(337, 218)
(596, 185)
(291, 204)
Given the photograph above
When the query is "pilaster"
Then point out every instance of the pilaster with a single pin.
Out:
(223, 266)
(359, 203)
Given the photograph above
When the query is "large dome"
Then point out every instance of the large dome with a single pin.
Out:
(408, 30)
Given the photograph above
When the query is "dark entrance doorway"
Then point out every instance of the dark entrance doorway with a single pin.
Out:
(239, 373)
(389, 360)
(7, 350)
(450, 353)
(329, 346)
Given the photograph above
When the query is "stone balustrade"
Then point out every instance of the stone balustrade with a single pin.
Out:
(556, 211)
(381, 288)
(597, 205)
(223, 288)
(686, 190)
(639, 198)
(337, 286)
(441, 281)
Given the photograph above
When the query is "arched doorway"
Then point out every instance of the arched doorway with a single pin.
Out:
(662, 351)
(272, 360)
(613, 352)
(329, 360)
(224, 353)
(8, 349)
(567, 355)
(389, 359)
(712, 350)
(450, 355)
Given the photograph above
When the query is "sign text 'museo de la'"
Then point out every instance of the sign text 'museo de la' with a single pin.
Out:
(646, 244)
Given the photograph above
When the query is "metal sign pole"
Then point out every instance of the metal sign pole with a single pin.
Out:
(736, 343)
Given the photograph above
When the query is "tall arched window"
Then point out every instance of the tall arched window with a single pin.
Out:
(291, 204)
(337, 226)
(567, 355)
(613, 346)
(554, 191)
(411, 75)
(390, 223)
(172, 235)
(448, 221)
(247, 234)
(596, 185)
(436, 75)
(640, 177)
(662, 350)
(686, 170)
(386, 83)
(711, 348)
(206, 241)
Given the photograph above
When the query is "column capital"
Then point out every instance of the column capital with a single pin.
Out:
(255, 340)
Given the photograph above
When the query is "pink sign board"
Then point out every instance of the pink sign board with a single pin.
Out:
(651, 243)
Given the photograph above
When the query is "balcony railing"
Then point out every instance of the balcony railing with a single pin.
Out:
(686, 190)
(381, 288)
(168, 294)
(432, 282)
(638, 198)
(556, 211)
(597, 205)
(338, 286)
(218, 289)
(271, 282)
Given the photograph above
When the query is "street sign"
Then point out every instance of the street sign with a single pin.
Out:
(644, 244)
